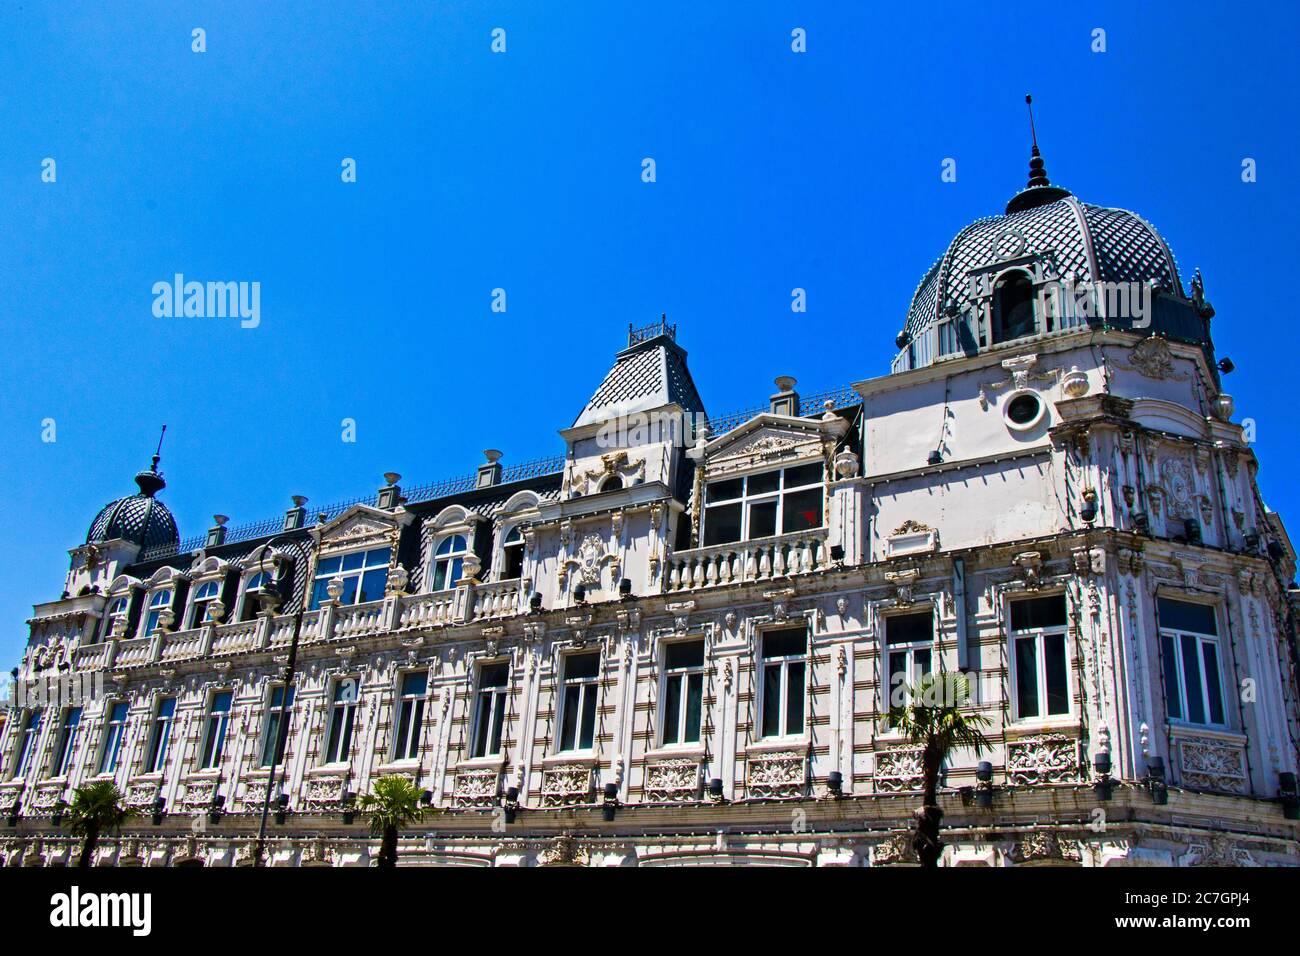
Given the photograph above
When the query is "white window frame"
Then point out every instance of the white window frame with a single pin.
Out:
(783, 701)
(512, 539)
(490, 705)
(111, 616)
(222, 718)
(586, 686)
(348, 725)
(153, 608)
(114, 736)
(248, 588)
(1039, 636)
(282, 711)
(909, 649)
(28, 738)
(160, 735)
(683, 676)
(746, 500)
(1175, 635)
(449, 559)
(368, 564)
(199, 603)
(67, 742)
(410, 715)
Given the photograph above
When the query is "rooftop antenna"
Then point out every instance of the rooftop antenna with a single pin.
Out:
(157, 455)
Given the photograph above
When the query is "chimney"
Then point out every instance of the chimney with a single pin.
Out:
(217, 533)
(786, 400)
(489, 474)
(390, 496)
(296, 516)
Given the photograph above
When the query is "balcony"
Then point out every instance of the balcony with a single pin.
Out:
(236, 637)
(498, 599)
(762, 559)
(181, 645)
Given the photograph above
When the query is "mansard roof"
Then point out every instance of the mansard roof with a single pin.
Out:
(650, 373)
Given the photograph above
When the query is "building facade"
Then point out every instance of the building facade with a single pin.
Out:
(679, 643)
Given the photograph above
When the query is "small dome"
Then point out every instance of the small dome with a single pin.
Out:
(140, 518)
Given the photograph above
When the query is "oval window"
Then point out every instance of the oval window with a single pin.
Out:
(1023, 411)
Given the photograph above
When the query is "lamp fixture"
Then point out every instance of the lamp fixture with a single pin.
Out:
(1156, 781)
(281, 808)
(984, 784)
(159, 810)
(1289, 795)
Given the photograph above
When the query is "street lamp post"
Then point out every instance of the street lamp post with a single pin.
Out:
(282, 728)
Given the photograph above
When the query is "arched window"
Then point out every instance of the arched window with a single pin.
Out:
(204, 594)
(254, 586)
(117, 611)
(449, 558)
(612, 483)
(158, 602)
(1013, 307)
(512, 555)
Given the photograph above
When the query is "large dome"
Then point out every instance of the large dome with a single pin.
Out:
(139, 518)
(1046, 240)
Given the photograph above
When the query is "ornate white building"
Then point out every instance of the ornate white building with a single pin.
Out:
(678, 643)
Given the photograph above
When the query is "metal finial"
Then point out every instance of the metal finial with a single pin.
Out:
(1029, 102)
(157, 455)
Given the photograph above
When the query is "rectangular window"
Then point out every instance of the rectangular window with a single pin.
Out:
(1189, 650)
(343, 715)
(683, 692)
(67, 741)
(1038, 655)
(276, 711)
(909, 640)
(785, 663)
(27, 743)
(489, 709)
(763, 505)
(161, 736)
(410, 715)
(364, 574)
(113, 734)
(579, 690)
(214, 742)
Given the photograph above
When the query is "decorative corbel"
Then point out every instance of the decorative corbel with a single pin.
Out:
(904, 582)
(780, 599)
(681, 612)
(1030, 564)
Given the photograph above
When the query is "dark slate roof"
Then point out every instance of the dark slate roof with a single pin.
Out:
(650, 374)
(1096, 243)
(139, 518)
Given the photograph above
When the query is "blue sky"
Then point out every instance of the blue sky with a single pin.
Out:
(522, 171)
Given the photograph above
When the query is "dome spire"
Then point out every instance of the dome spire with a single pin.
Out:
(1039, 191)
(150, 481)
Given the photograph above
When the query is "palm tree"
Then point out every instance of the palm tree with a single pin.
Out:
(933, 718)
(96, 809)
(394, 804)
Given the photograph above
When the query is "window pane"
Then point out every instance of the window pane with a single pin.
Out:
(898, 679)
(1186, 616)
(803, 475)
(415, 682)
(336, 735)
(694, 701)
(684, 654)
(721, 524)
(1027, 677)
(589, 716)
(785, 643)
(1038, 612)
(378, 558)
(1058, 694)
(794, 692)
(763, 484)
(482, 716)
(1192, 679)
(762, 519)
(580, 666)
(802, 510)
(723, 490)
(498, 723)
(440, 569)
(1169, 662)
(492, 675)
(922, 666)
(672, 710)
(910, 628)
(354, 561)
(319, 594)
(403, 729)
(372, 584)
(569, 719)
(1213, 688)
(349, 595)
(772, 700)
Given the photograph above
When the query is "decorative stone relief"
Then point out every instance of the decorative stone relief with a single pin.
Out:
(476, 788)
(200, 791)
(1047, 758)
(894, 849)
(324, 792)
(1045, 845)
(671, 781)
(1218, 850)
(1211, 764)
(1151, 357)
(779, 774)
(899, 769)
(566, 785)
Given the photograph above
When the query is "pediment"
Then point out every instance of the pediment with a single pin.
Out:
(360, 525)
(1160, 415)
(766, 440)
